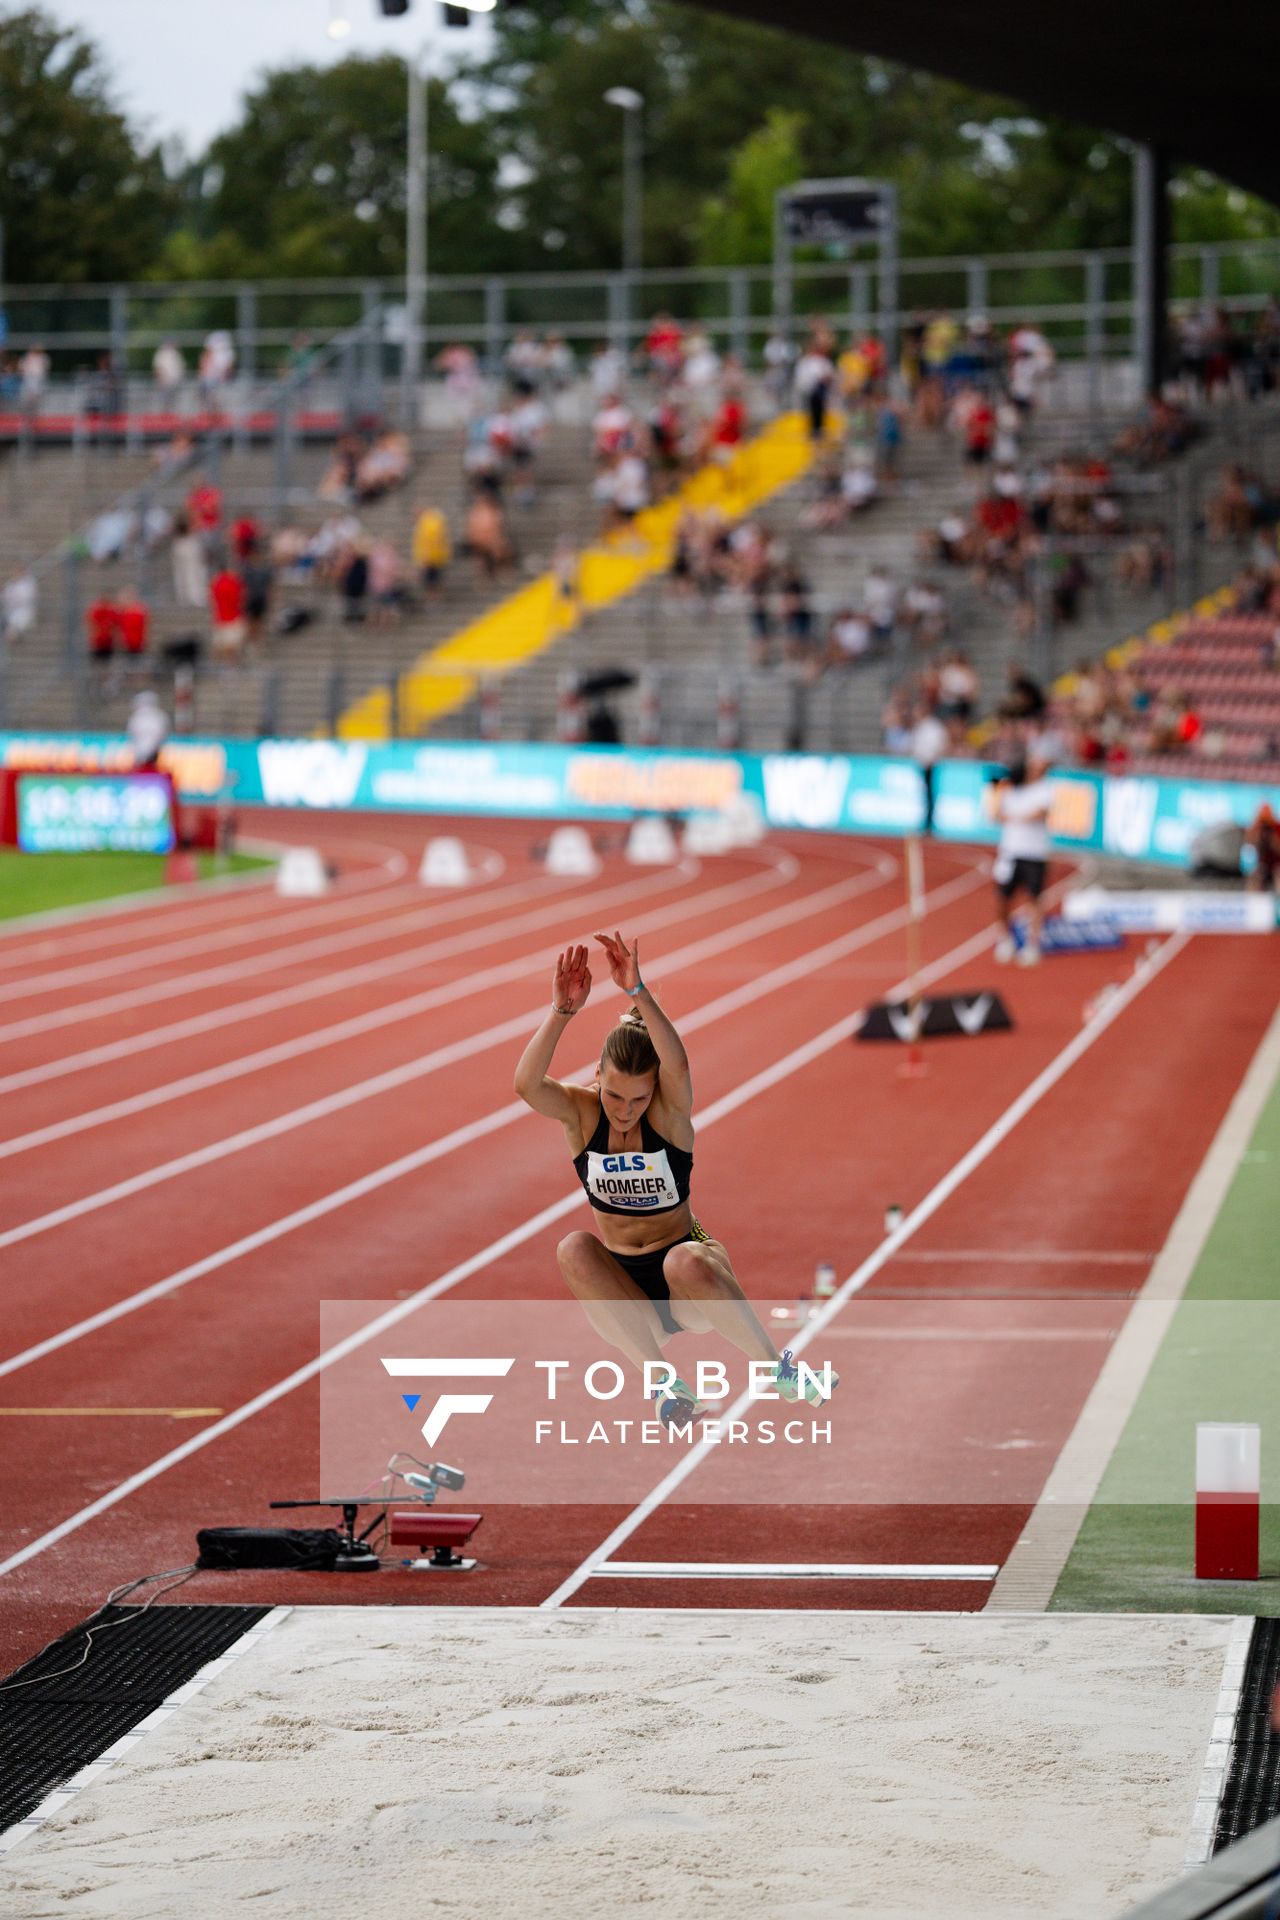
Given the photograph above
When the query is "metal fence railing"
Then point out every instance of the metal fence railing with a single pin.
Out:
(1085, 301)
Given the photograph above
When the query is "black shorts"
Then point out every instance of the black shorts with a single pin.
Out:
(1027, 874)
(646, 1270)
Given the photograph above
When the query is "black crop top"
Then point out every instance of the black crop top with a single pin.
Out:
(655, 1180)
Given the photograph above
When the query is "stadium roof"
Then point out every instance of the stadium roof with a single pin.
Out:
(1198, 83)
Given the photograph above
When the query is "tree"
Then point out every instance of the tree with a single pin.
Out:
(311, 180)
(81, 198)
(736, 227)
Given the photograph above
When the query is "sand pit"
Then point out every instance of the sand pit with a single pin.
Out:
(588, 1763)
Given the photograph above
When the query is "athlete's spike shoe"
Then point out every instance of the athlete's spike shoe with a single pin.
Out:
(786, 1379)
(677, 1404)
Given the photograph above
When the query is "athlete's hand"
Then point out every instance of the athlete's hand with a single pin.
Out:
(624, 960)
(572, 979)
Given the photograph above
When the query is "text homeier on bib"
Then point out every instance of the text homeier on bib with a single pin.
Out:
(643, 1181)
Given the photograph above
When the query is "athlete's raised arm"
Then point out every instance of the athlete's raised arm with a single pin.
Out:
(674, 1079)
(569, 991)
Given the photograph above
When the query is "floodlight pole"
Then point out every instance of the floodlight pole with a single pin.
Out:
(1151, 235)
(415, 237)
(631, 105)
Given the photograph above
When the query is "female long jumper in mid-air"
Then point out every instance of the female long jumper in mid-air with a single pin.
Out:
(650, 1270)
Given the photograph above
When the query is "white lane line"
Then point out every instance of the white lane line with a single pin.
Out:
(325, 984)
(1025, 1257)
(89, 1775)
(374, 1329)
(416, 1004)
(401, 925)
(1221, 1741)
(160, 904)
(782, 1570)
(1035, 1566)
(396, 1010)
(982, 1149)
(263, 929)
(782, 976)
(1049, 1334)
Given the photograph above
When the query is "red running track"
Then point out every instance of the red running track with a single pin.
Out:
(216, 1113)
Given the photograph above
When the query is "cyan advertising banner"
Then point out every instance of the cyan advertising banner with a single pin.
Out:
(1138, 818)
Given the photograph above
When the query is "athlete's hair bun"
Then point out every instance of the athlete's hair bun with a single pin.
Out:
(632, 1017)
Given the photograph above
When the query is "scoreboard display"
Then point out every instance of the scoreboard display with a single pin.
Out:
(94, 813)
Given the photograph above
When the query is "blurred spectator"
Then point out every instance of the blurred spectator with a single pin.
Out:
(258, 576)
(204, 511)
(18, 606)
(461, 370)
(664, 347)
(246, 535)
(187, 556)
(353, 580)
(813, 376)
(558, 363)
(148, 728)
(896, 723)
(33, 371)
(779, 355)
(613, 426)
(217, 365)
(386, 584)
(607, 371)
(888, 440)
(529, 421)
(102, 625)
(957, 695)
(848, 638)
(880, 600)
(929, 740)
(1031, 361)
(168, 371)
(300, 358)
(1024, 697)
(924, 613)
(383, 466)
(487, 540)
(797, 618)
(973, 418)
(227, 600)
(432, 551)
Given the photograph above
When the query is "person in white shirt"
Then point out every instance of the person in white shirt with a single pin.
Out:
(18, 604)
(147, 728)
(168, 370)
(880, 602)
(929, 741)
(813, 375)
(1022, 802)
(33, 370)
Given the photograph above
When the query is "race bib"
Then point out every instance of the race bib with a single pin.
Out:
(638, 1182)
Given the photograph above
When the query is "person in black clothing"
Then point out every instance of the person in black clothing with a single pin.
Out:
(1024, 699)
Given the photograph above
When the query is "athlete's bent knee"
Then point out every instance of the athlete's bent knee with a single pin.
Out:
(576, 1253)
(686, 1266)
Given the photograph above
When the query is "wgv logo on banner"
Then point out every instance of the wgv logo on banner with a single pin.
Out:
(310, 773)
(1128, 815)
(804, 790)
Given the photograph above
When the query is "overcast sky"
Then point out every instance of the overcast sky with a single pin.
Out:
(181, 66)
